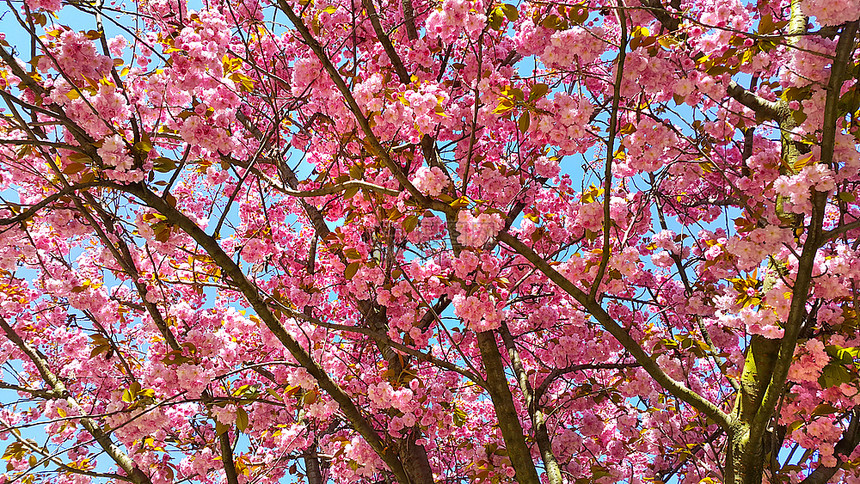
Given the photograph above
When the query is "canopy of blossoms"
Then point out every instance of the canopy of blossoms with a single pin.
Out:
(430, 241)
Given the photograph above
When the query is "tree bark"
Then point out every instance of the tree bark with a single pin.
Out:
(503, 402)
(768, 361)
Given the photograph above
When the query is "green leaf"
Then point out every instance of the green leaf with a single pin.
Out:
(460, 417)
(667, 41)
(15, 450)
(538, 91)
(79, 157)
(846, 197)
(73, 168)
(598, 471)
(510, 11)
(241, 419)
(577, 15)
(825, 409)
(495, 20)
(797, 93)
(516, 92)
(175, 358)
(834, 374)
(410, 223)
(162, 231)
(794, 426)
(99, 350)
(850, 102)
(310, 398)
(164, 165)
(524, 122)
(718, 70)
(460, 202)
(143, 146)
(246, 83)
(352, 253)
(799, 116)
(554, 22)
(767, 26)
(504, 106)
(351, 269)
(350, 192)
(846, 356)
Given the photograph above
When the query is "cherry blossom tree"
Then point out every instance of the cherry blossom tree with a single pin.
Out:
(424, 241)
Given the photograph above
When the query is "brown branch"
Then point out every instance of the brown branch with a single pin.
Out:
(428, 144)
(803, 279)
(544, 386)
(135, 474)
(31, 211)
(678, 389)
(373, 15)
(256, 301)
(500, 393)
(227, 457)
(610, 152)
(123, 256)
(340, 187)
(503, 402)
(372, 143)
(842, 450)
(769, 109)
(831, 234)
(420, 355)
(312, 465)
(553, 471)
(409, 19)
(47, 457)
(46, 394)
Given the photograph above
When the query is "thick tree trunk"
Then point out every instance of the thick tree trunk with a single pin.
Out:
(503, 402)
(745, 451)
(312, 466)
(414, 458)
(744, 459)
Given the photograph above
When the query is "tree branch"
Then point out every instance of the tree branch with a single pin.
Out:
(544, 386)
(254, 298)
(842, 450)
(553, 472)
(372, 142)
(831, 234)
(803, 279)
(31, 211)
(759, 105)
(503, 402)
(592, 307)
(46, 457)
(399, 68)
(340, 187)
(58, 387)
(610, 151)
